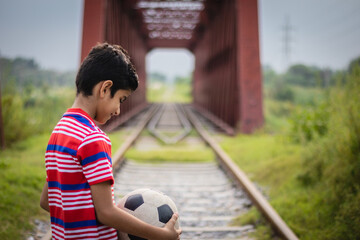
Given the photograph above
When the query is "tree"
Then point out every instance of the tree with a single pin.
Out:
(302, 75)
(353, 64)
(157, 77)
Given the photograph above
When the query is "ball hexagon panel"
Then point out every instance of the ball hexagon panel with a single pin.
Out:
(165, 213)
(132, 237)
(134, 201)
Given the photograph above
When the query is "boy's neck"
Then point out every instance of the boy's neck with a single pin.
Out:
(85, 103)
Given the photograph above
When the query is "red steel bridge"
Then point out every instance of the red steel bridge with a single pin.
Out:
(223, 35)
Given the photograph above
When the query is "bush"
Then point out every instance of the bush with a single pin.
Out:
(33, 113)
(281, 91)
(16, 126)
(309, 123)
(332, 163)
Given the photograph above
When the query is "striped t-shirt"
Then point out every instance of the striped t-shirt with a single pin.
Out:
(78, 155)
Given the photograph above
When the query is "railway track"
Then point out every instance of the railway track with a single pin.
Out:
(206, 199)
(208, 195)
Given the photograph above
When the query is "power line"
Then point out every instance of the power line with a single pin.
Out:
(287, 29)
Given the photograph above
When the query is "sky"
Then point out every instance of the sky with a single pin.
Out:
(323, 33)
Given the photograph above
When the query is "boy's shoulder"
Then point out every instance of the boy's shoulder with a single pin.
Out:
(77, 124)
(79, 116)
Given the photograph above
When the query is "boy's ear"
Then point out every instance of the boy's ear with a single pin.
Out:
(105, 86)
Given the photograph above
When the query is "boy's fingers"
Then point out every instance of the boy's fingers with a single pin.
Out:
(172, 220)
(175, 216)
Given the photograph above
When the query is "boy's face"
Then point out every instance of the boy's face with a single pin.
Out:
(110, 106)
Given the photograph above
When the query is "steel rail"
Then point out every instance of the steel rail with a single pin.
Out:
(258, 199)
(184, 121)
(118, 158)
(119, 155)
(165, 139)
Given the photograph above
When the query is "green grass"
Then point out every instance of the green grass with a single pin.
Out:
(182, 151)
(164, 93)
(22, 174)
(117, 138)
(171, 154)
(308, 96)
(273, 164)
(313, 184)
(276, 165)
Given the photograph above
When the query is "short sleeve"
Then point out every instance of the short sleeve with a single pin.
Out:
(94, 154)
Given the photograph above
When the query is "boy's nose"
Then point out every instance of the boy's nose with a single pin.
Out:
(117, 112)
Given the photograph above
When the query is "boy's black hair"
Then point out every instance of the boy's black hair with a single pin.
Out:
(106, 62)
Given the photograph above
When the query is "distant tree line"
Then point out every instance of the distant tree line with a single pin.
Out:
(162, 78)
(24, 74)
(156, 77)
(281, 85)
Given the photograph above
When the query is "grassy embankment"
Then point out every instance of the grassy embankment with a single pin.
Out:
(309, 170)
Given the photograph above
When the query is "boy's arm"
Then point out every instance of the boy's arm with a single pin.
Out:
(110, 215)
(44, 201)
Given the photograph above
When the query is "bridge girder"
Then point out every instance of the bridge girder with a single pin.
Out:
(223, 35)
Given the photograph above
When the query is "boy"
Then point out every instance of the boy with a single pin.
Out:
(79, 190)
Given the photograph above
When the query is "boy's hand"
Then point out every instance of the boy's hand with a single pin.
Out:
(170, 232)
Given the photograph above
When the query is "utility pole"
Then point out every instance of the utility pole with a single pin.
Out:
(287, 28)
(2, 134)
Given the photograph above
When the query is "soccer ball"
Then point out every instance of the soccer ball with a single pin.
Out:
(150, 206)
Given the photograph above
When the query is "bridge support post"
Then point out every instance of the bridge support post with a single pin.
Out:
(109, 21)
(248, 68)
(93, 25)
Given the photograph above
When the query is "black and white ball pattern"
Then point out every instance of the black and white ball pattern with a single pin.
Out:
(150, 206)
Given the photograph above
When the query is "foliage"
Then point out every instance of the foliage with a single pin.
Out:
(272, 163)
(29, 105)
(308, 123)
(300, 74)
(316, 188)
(14, 119)
(35, 113)
(269, 75)
(156, 77)
(355, 63)
(27, 73)
(308, 76)
(180, 91)
(276, 115)
(281, 91)
(253, 217)
(183, 80)
(333, 164)
(22, 175)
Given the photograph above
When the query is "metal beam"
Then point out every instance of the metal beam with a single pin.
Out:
(166, 43)
(248, 68)
(93, 25)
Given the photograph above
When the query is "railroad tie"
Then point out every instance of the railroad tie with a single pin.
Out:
(206, 199)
